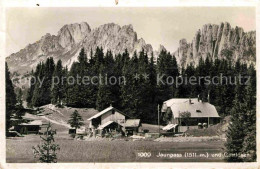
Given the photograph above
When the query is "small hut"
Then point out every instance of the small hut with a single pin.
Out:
(132, 126)
(32, 127)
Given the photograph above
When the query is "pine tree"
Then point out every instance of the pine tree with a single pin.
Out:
(33, 79)
(29, 94)
(104, 95)
(151, 116)
(47, 83)
(82, 58)
(129, 90)
(166, 67)
(181, 90)
(38, 90)
(189, 88)
(112, 71)
(79, 91)
(249, 144)
(76, 120)
(42, 88)
(10, 100)
(73, 87)
(19, 98)
(65, 84)
(83, 88)
(91, 61)
(236, 131)
(46, 152)
(58, 85)
(19, 108)
(201, 72)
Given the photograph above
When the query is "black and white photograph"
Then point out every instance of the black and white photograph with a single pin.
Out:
(130, 84)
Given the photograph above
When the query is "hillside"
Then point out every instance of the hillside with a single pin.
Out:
(215, 130)
(60, 116)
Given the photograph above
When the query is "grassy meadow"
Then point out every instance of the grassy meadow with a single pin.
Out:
(19, 150)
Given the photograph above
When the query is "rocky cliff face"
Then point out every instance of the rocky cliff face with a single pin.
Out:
(71, 38)
(214, 40)
(210, 41)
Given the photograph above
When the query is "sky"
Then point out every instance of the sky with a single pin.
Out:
(156, 26)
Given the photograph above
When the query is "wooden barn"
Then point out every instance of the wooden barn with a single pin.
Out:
(113, 119)
(31, 125)
(132, 126)
(201, 114)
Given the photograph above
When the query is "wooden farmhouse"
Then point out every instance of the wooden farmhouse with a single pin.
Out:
(201, 114)
(31, 125)
(113, 119)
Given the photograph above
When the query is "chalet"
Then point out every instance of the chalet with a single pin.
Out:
(113, 119)
(200, 114)
(31, 125)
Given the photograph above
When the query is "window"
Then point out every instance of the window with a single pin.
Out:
(198, 111)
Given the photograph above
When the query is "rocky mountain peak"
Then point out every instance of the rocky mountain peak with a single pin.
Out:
(161, 48)
(183, 42)
(211, 40)
(71, 34)
(71, 38)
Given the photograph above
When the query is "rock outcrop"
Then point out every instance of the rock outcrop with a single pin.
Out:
(212, 40)
(72, 34)
(71, 38)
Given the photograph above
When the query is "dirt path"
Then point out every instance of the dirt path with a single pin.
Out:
(56, 122)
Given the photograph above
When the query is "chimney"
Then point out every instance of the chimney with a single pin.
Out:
(198, 98)
(189, 100)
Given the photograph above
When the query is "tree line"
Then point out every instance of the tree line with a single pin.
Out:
(141, 92)
(139, 97)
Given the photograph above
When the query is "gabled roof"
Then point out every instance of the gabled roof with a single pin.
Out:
(170, 102)
(179, 100)
(105, 111)
(28, 116)
(33, 123)
(106, 124)
(169, 126)
(196, 108)
(132, 123)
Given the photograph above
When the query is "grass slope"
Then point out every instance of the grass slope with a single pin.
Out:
(215, 130)
(20, 150)
(62, 115)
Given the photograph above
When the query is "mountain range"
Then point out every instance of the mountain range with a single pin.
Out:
(211, 40)
(218, 41)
